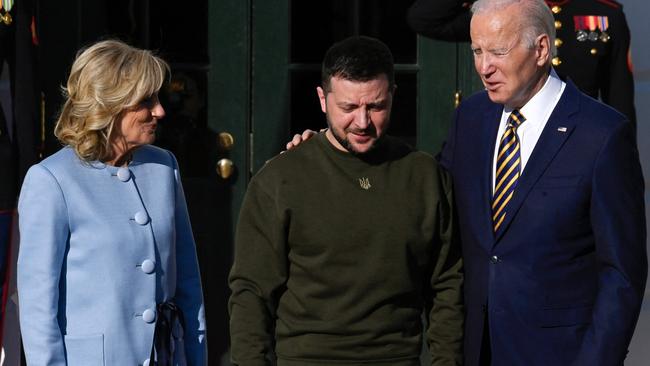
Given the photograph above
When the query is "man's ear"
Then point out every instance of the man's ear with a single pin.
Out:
(543, 45)
(322, 97)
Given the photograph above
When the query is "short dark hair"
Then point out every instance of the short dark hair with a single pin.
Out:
(357, 58)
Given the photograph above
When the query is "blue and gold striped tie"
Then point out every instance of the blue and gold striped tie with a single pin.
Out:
(508, 169)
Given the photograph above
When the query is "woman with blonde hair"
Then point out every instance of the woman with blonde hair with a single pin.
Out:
(107, 268)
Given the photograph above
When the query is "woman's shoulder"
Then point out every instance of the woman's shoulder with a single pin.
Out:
(154, 154)
(63, 160)
(54, 169)
(66, 162)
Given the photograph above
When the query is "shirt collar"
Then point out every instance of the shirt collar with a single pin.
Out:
(538, 104)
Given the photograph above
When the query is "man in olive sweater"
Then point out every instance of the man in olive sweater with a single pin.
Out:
(344, 241)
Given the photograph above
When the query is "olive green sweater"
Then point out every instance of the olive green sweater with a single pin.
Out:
(336, 258)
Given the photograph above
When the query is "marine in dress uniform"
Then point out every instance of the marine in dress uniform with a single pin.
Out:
(18, 138)
(593, 43)
(8, 187)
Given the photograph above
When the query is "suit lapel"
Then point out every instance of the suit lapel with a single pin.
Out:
(487, 153)
(558, 128)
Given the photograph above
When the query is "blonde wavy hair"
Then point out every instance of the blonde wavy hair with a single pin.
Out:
(106, 79)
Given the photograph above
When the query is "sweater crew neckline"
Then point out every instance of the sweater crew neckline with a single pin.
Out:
(380, 154)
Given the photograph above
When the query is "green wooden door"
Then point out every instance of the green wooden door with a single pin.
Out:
(228, 112)
(446, 76)
(289, 41)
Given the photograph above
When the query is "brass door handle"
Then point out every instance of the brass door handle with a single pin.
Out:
(225, 168)
(458, 96)
(225, 141)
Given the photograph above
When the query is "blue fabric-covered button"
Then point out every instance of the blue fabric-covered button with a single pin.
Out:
(149, 316)
(148, 266)
(141, 217)
(123, 174)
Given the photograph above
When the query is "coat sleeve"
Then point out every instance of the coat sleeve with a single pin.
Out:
(257, 277)
(445, 20)
(617, 88)
(44, 232)
(619, 226)
(189, 295)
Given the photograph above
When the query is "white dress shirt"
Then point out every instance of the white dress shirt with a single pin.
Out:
(537, 112)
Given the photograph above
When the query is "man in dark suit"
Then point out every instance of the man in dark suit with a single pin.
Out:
(593, 42)
(550, 200)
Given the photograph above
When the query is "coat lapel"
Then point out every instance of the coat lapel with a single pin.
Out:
(558, 128)
(487, 153)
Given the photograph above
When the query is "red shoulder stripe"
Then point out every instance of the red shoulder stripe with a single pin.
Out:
(611, 3)
(551, 3)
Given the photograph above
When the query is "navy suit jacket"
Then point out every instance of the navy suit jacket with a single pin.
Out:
(563, 283)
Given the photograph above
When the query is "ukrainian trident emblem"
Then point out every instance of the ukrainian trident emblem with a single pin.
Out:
(364, 183)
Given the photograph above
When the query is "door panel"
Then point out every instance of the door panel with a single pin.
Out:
(217, 207)
(446, 76)
(269, 80)
(289, 42)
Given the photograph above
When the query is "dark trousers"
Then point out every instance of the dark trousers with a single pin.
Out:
(485, 358)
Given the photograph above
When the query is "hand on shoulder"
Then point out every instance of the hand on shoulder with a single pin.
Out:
(300, 138)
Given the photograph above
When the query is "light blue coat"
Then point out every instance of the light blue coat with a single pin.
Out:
(100, 246)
